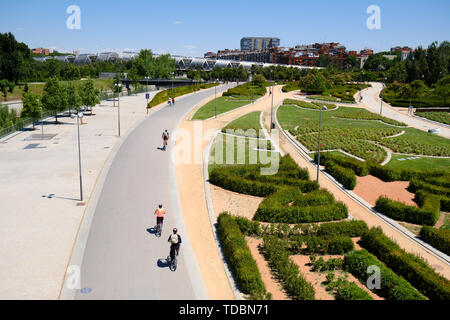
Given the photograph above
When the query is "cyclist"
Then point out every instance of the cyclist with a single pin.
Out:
(175, 241)
(165, 137)
(160, 212)
(169, 101)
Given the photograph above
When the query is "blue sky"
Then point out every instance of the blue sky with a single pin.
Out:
(194, 27)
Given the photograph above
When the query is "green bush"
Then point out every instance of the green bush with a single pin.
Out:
(354, 228)
(416, 184)
(344, 175)
(438, 238)
(164, 95)
(392, 286)
(321, 265)
(346, 290)
(402, 212)
(270, 211)
(238, 254)
(287, 271)
(246, 90)
(321, 245)
(415, 270)
(360, 168)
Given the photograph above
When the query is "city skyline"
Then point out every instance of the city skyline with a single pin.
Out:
(193, 29)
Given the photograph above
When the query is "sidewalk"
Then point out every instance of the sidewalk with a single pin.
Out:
(40, 211)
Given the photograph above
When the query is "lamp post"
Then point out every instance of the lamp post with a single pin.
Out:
(360, 86)
(118, 85)
(271, 108)
(146, 80)
(318, 154)
(215, 101)
(173, 74)
(79, 116)
(253, 89)
(382, 96)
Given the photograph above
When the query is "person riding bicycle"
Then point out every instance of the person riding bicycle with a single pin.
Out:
(165, 137)
(175, 241)
(160, 212)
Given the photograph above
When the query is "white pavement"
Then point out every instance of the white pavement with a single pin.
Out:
(39, 208)
(372, 101)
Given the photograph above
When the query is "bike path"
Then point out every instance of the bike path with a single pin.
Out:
(123, 259)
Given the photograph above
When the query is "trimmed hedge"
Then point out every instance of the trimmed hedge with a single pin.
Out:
(360, 168)
(438, 238)
(429, 215)
(393, 287)
(287, 271)
(164, 95)
(320, 245)
(246, 90)
(415, 270)
(346, 290)
(344, 175)
(354, 228)
(270, 211)
(416, 184)
(238, 254)
(223, 179)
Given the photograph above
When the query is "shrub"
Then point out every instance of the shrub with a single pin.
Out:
(269, 211)
(402, 212)
(360, 168)
(329, 265)
(292, 281)
(354, 228)
(346, 290)
(392, 287)
(416, 184)
(344, 175)
(247, 226)
(238, 254)
(438, 238)
(415, 270)
(164, 95)
(320, 245)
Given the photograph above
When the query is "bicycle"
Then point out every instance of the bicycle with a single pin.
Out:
(172, 263)
(158, 229)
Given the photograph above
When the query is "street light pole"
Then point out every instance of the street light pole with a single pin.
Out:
(147, 95)
(215, 101)
(79, 115)
(271, 109)
(318, 154)
(382, 98)
(118, 105)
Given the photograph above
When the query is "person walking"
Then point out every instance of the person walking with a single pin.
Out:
(173, 101)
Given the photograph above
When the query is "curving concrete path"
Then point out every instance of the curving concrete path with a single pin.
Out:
(122, 259)
(372, 101)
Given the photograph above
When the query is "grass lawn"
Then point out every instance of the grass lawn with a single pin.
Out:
(349, 130)
(37, 88)
(442, 117)
(240, 151)
(421, 163)
(224, 104)
(249, 121)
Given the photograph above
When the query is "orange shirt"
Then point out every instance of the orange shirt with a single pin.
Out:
(160, 213)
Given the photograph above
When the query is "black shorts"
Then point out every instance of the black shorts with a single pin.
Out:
(159, 219)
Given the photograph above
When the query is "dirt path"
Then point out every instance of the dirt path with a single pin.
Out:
(272, 285)
(370, 188)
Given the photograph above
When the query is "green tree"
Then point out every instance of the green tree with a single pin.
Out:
(164, 66)
(73, 97)
(145, 63)
(89, 95)
(442, 89)
(53, 97)
(351, 62)
(32, 107)
(25, 88)
(4, 84)
(416, 89)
